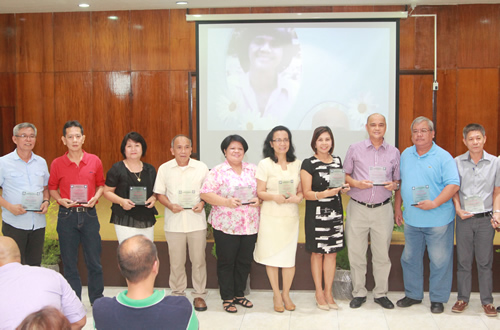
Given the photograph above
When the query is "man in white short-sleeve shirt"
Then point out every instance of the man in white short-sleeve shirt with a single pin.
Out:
(178, 186)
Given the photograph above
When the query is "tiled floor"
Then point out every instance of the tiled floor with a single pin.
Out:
(307, 316)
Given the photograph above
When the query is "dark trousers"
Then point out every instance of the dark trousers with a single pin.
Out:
(30, 243)
(475, 240)
(234, 258)
(75, 228)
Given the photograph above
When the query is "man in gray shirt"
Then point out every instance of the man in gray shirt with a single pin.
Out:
(474, 203)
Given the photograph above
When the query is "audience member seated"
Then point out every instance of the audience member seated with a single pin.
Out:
(141, 306)
(48, 318)
(27, 289)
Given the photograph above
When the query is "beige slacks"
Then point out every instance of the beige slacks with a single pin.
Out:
(362, 221)
(196, 242)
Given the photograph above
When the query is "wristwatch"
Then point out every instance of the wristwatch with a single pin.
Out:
(397, 186)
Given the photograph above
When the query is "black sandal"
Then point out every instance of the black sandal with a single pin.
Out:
(227, 305)
(243, 302)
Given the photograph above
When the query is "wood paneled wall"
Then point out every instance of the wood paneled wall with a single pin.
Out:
(132, 73)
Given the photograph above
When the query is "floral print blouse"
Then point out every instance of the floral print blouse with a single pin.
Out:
(243, 220)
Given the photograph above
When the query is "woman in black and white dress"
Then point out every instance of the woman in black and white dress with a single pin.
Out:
(324, 218)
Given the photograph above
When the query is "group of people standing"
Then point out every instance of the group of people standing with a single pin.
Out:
(255, 213)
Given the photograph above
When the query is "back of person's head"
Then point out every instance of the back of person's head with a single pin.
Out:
(136, 258)
(9, 251)
(48, 318)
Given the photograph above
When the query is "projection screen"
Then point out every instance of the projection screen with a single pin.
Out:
(253, 76)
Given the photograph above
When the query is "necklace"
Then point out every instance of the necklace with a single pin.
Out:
(138, 177)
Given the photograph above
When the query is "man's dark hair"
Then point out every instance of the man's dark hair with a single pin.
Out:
(136, 137)
(317, 132)
(283, 38)
(72, 123)
(231, 138)
(473, 127)
(267, 151)
(136, 257)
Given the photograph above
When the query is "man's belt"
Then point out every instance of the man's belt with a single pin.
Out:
(372, 206)
(79, 209)
(482, 215)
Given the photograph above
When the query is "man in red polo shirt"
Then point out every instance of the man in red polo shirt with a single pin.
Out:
(76, 183)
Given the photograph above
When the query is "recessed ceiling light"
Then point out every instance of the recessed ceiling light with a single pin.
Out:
(113, 17)
(83, 5)
(182, 2)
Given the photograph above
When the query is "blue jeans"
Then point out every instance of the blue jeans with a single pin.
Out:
(75, 228)
(439, 242)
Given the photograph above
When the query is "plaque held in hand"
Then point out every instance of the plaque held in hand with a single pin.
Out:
(138, 195)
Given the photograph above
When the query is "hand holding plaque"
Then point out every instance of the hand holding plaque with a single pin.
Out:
(337, 178)
(378, 175)
(78, 193)
(187, 199)
(286, 188)
(244, 194)
(32, 201)
(138, 195)
(420, 193)
(474, 204)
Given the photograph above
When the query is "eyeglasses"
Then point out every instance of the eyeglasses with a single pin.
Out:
(423, 131)
(24, 136)
(280, 140)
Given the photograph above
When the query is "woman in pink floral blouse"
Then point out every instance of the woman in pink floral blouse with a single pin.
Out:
(231, 189)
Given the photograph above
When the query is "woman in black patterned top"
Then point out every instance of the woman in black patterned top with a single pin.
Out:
(129, 186)
(324, 218)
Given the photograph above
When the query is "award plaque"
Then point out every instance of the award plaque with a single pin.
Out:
(138, 195)
(31, 201)
(378, 175)
(474, 204)
(187, 199)
(337, 178)
(244, 194)
(420, 193)
(286, 188)
(78, 193)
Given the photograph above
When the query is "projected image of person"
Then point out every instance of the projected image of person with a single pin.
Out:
(324, 220)
(263, 72)
(278, 185)
(231, 189)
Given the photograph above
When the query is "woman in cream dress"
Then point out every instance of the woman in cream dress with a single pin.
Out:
(278, 185)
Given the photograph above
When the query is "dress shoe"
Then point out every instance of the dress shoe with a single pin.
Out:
(279, 309)
(489, 310)
(357, 302)
(437, 307)
(290, 306)
(407, 302)
(498, 309)
(278, 305)
(322, 307)
(199, 304)
(459, 306)
(384, 302)
(333, 306)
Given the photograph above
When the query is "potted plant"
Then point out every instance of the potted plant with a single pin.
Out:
(51, 252)
(342, 282)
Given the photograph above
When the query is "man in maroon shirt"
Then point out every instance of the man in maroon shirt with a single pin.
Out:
(76, 183)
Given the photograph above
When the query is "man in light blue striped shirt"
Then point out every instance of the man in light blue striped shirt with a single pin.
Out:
(24, 177)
